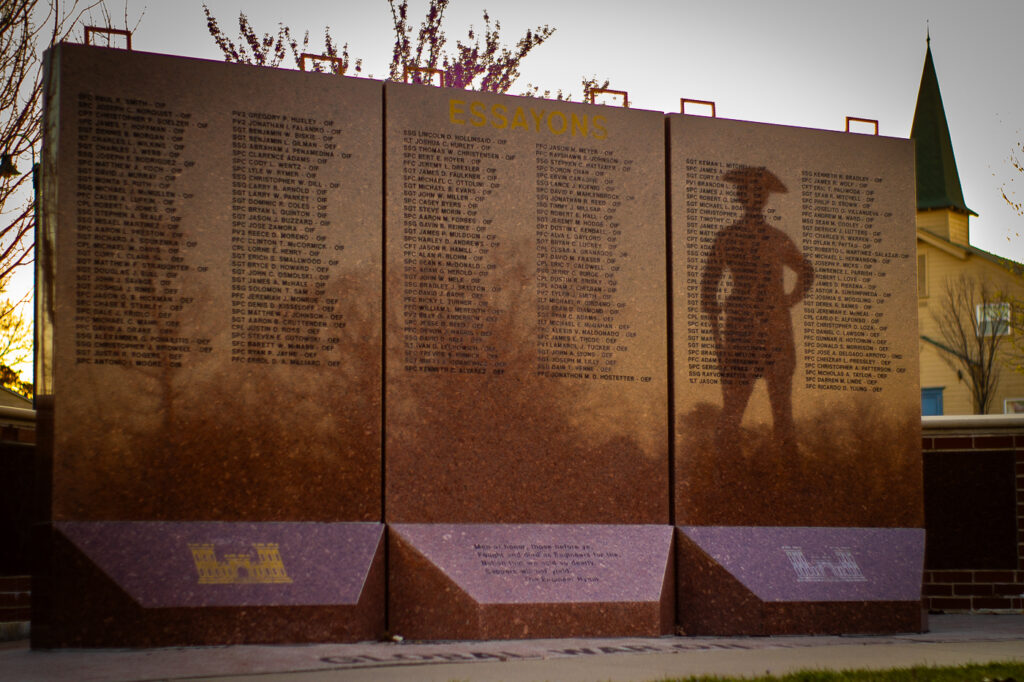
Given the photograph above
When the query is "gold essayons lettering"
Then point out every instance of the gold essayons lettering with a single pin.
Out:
(498, 116)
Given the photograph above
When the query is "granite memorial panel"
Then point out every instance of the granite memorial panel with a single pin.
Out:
(148, 583)
(526, 336)
(210, 294)
(526, 345)
(795, 345)
(737, 580)
(490, 581)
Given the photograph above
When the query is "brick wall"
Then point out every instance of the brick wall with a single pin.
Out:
(15, 598)
(974, 514)
(17, 488)
(17, 491)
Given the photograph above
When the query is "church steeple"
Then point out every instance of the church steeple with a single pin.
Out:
(938, 182)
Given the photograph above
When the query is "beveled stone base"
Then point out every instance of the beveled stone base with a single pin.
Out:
(150, 584)
(484, 581)
(788, 581)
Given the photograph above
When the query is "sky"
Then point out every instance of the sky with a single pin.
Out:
(807, 63)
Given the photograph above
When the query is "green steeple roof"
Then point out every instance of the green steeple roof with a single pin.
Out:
(938, 183)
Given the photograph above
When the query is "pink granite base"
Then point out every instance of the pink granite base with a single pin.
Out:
(483, 581)
(787, 581)
(138, 584)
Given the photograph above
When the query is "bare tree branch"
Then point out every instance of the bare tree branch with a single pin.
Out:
(27, 27)
(479, 63)
(973, 326)
(1008, 192)
(270, 49)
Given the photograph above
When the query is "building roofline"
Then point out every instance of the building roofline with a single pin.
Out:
(955, 250)
(963, 252)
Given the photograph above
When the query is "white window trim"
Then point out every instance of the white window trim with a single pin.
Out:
(986, 320)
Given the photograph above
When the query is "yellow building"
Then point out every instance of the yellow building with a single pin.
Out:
(948, 263)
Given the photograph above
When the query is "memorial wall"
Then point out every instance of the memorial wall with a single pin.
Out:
(232, 260)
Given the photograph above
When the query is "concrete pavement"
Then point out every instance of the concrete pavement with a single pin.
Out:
(952, 640)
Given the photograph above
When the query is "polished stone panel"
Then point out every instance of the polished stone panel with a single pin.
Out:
(210, 340)
(526, 357)
(210, 277)
(481, 581)
(173, 564)
(818, 564)
(143, 584)
(796, 378)
(795, 327)
(762, 580)
(526, 295)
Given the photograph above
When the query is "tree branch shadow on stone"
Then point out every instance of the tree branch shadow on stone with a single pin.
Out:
(226, 443)
(516, 447)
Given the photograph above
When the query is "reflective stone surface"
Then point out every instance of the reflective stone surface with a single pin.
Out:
(526, 332)
(795, 327)
(163, 564)
(774, 581)
(480, 581)
(210, 294)
(797, 402)
(215, 290)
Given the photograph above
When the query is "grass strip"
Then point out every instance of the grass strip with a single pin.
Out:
(988, 672)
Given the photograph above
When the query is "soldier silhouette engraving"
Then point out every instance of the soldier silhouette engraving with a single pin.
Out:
(757, 339)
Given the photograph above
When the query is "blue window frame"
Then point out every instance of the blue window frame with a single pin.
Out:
(931, 401)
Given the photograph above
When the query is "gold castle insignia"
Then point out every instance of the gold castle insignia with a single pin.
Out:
(239, 568)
